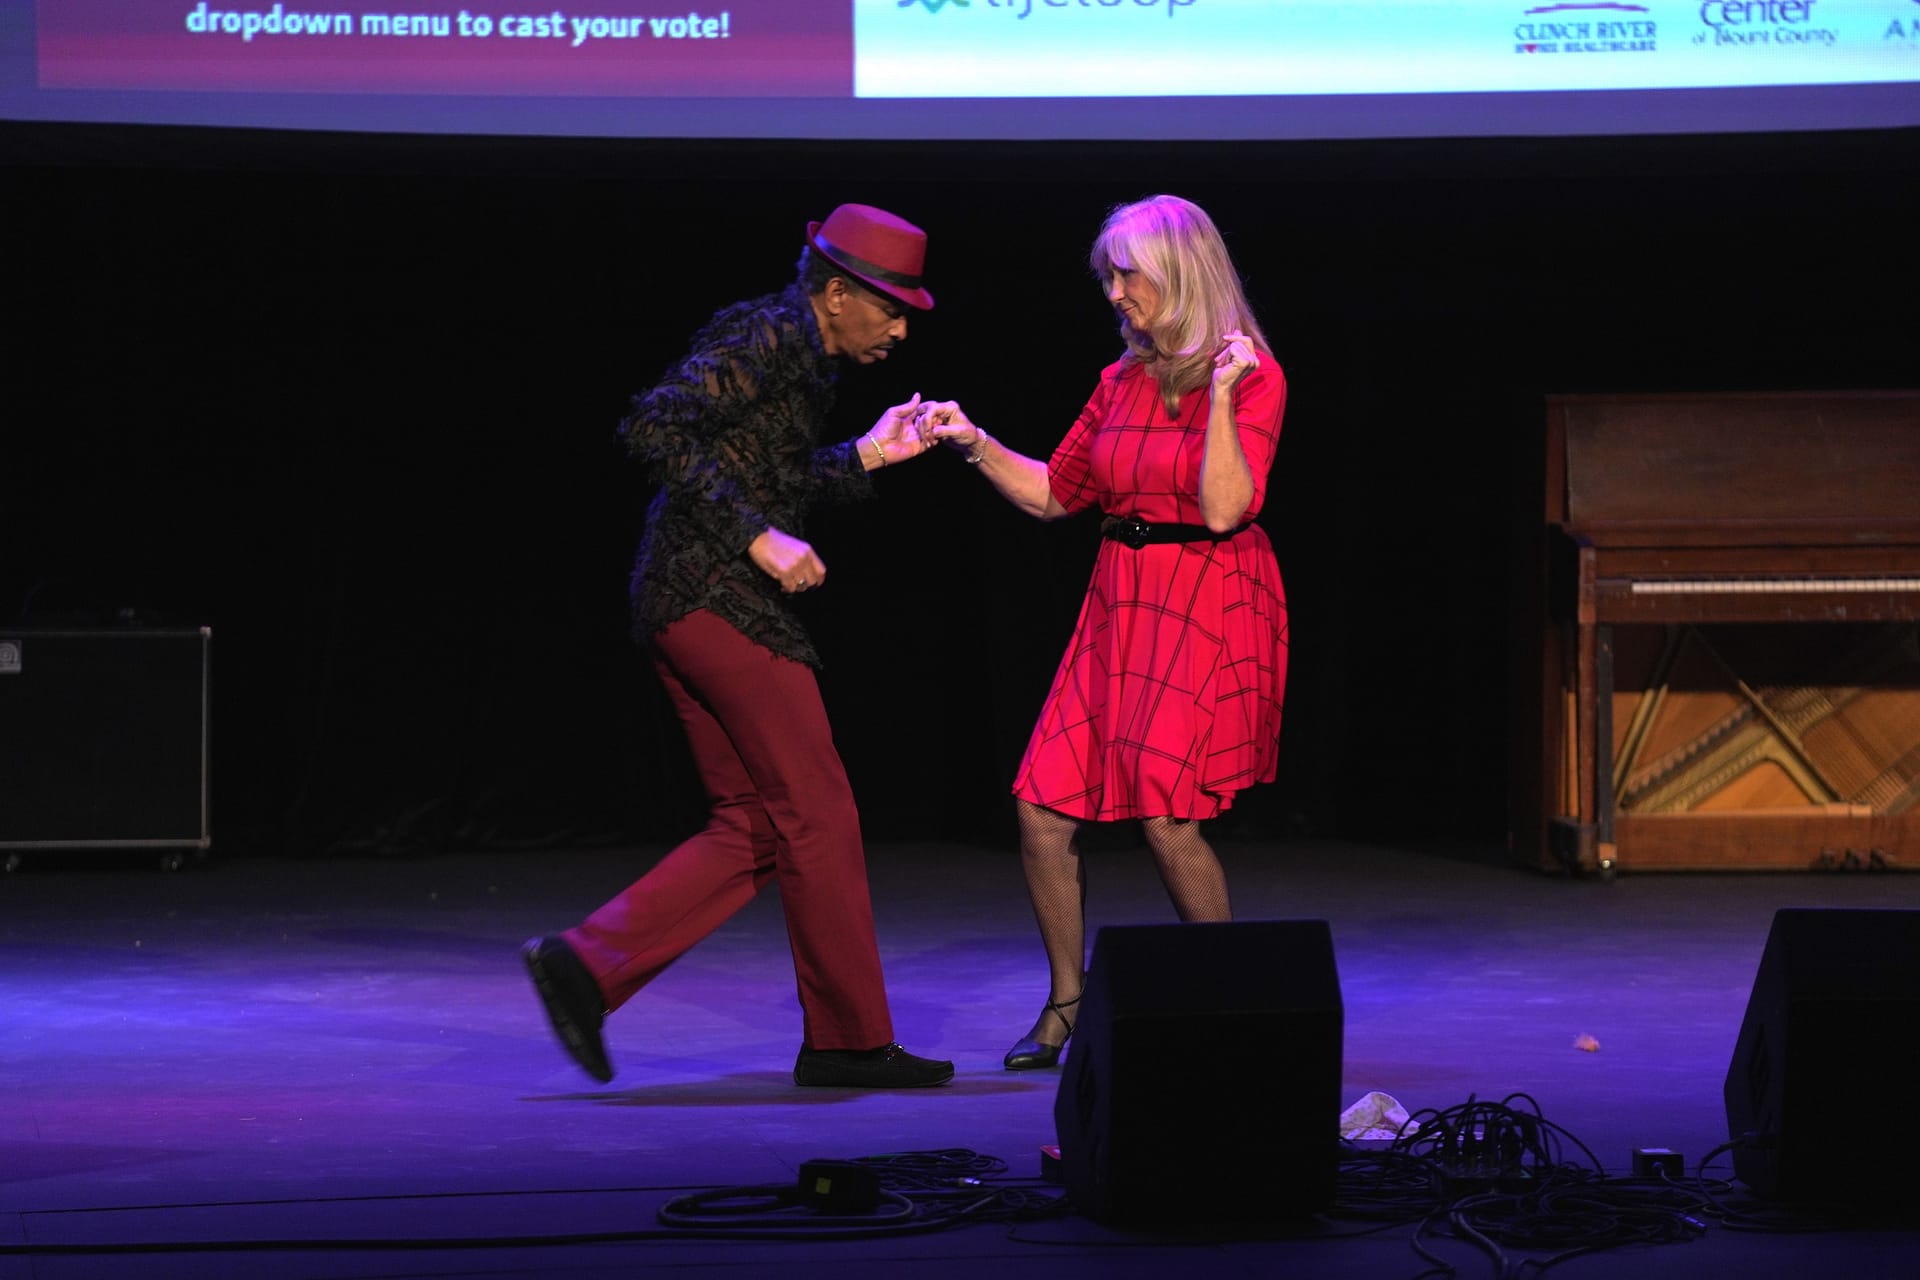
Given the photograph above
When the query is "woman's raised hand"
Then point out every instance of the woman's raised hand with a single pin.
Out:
(1234, 361)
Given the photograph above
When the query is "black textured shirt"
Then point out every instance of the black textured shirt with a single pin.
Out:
(731, 436)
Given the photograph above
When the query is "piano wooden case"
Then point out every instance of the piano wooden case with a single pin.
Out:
(1725, 616)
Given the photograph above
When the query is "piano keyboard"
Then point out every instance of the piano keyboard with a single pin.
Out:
(1768, 586)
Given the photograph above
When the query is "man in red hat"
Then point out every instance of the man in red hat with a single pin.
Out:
(731, 435)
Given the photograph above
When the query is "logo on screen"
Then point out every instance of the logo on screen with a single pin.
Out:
(933, 6)
(9, 658)
(1565, 28)
(1909, 32)
(1730, 24)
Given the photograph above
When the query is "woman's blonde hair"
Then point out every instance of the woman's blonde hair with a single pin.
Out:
(1174, 244)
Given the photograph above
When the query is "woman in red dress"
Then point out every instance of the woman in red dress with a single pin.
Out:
(1167, 702)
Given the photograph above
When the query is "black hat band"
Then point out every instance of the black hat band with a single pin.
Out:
(862, 267)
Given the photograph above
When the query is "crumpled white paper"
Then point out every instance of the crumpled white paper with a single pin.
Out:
(1376, 1117)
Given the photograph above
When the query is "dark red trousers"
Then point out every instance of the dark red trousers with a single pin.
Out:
(782, 810)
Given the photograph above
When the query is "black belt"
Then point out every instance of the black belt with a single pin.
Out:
(1132, 531)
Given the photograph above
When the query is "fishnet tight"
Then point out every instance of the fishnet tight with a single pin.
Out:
(1189, 868)
(1057, 884)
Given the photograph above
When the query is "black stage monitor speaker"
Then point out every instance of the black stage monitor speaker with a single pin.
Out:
(1202, 1084)
(1832, 1029)
(103, 738)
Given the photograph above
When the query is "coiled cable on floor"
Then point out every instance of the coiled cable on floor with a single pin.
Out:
(1496, 1175)
(774, 1210)
(1739, 1210)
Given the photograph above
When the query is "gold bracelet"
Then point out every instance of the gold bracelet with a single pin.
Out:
(877, 450)
(979, 449)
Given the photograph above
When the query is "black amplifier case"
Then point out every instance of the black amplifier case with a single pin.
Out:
(103, 739)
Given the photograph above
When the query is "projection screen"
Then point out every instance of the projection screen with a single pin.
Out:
(957, 69)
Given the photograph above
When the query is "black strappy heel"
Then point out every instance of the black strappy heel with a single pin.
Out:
(1030, 1054)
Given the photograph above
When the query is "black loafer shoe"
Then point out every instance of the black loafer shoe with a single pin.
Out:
(888, 1067)
(573, 1000)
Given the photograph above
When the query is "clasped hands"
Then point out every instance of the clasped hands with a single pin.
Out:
(944, 421)
(911, 429)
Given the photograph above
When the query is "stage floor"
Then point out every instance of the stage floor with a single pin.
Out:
(342, 1061)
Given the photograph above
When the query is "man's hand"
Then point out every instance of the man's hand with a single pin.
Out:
(788, 560)
(898, 434)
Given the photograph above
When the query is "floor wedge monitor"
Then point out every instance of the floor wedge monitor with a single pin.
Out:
(1832, 1024)
(1202, 1082)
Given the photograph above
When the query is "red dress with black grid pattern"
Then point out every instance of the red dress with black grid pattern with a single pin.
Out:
(1167, 702)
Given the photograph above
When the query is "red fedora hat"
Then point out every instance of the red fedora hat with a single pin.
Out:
(886, 252)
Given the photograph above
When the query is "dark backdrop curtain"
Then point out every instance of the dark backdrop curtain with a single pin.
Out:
(350, 401)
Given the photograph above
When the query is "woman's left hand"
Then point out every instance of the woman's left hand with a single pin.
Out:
(1233, 362)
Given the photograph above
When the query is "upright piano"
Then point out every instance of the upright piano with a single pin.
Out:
(1730, 677)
